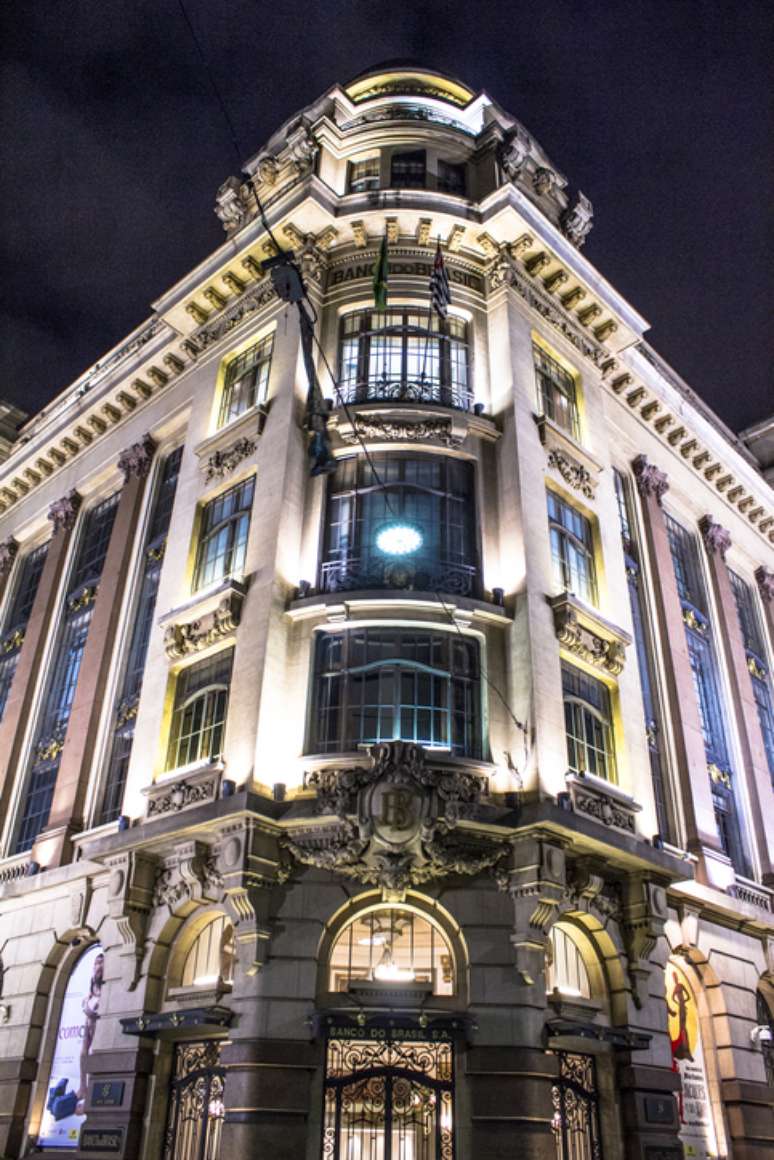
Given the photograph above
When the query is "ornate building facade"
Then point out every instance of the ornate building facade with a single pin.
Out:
(418, 807)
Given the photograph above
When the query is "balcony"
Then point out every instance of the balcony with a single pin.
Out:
(405, 390)
(420, 574)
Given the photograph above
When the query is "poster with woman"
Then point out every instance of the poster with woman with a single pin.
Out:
(697, 1131)
(63, 1115)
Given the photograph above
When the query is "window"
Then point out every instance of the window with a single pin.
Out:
(687, 566)
(433, 493)
(363, 175)
(225, 523)
(247, 377)
(28, 575)
(407, 170)
(199, 714)
(645, 660)
(572, 549)
(557, 396)
(406, 354)
(385, 684)
(391, 945)
(210, 960)
(752, 636)
(588, 724)
(125, 709)
(566, 971)
(451, 178)
(64, 671)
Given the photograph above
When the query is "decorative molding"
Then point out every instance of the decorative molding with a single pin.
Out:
(136, 460)
(129, 900)
(9, 550)
(396, 823)
(765, 581)
(572, 472)
(232, 204)
(190, 874)
(191, 789)
(186, 637)
(399, 430)
(64, 512)
(578, 220)
(716, 538)
(650, 481)
(222, 463)
(253, 299)
(574, 464)
(644, 915)
(595, 802)
(588, 636)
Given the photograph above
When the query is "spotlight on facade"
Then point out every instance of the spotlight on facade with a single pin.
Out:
(399, 539)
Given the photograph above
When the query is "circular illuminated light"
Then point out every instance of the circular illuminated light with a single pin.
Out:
(398, 539)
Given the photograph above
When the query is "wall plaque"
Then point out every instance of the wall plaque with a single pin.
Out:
(102, 1140)
(107, 1094)
(660, 1109)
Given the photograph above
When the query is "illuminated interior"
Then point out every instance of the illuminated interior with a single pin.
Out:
(392, 946)
(210, 960)
(566, 971)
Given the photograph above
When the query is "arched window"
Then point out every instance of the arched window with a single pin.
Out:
(210, 959)
(405, 354)
(396, 684)
(566, 970)
(392, 945)
(434, 494)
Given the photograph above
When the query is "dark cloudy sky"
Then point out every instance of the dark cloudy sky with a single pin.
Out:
(113, 148)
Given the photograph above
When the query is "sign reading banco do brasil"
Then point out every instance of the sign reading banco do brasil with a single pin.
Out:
(694, 1107)
(63, 1114)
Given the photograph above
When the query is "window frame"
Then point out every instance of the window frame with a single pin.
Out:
(554, 383)
(561, 537)
(238, 525)
(410, 160)
(444, 171)
(369, 181)
(256, 371)
(584, 712)
(209, 694)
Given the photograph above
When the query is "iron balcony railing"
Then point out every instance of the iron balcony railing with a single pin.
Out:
(373, 390)
(420, 574)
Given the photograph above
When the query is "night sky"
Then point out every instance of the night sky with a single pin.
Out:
(113, 148)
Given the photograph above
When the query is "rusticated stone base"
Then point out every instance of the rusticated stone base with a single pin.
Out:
(510, 1111)
(268, 1096)
(750, 1116)
(649, 1111)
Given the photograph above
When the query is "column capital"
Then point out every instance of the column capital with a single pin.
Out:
(650, 480)
(63, 512)
(765, 581)
(137, 459)
(9, 550)
(716, 538)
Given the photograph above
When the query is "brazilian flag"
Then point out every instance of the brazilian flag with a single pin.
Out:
(381, 272)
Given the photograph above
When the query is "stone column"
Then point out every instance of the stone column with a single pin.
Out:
(696, 795)
(717, 541)
(62, 514)
(66, 817)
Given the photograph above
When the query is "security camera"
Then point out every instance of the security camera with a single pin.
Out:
(761, 1034)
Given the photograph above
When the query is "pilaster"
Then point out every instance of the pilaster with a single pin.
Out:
(62, 515)
(696, 796)
(754, 762)
(66, 817)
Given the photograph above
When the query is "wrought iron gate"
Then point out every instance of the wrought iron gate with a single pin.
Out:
(388, 1101)
(196, 1110)
(576, 1108)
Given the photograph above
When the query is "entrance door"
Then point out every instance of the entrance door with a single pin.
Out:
(388, 1101)
(576, 1108)
(196, 1110)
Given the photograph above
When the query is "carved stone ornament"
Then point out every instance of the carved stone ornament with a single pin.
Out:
(222, 463)
(765, 581)
(137, 459)
(644, 916)
(716, 538)
(182, 639)
(232, 204)
(195, 789)
(396, 822)
(650, 481)
(577, 221)
(253, 299)
(64, 512)
(513, 156)
(302, 146)
(190, 874)
(398, 430)
(129, 900)
(9, 550)
(267, 169)
(572, 472)
(595, 802)
(543, 180)
(580, 635)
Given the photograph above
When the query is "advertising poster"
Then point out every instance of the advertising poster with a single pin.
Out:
(697, 1131)
(63, 1114)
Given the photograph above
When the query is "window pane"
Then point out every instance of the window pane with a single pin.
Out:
(588, 724)
(408, 170)
(247, 376)
(225, 524)
(572, 553)
(364, 175)
(199, 714)
(556, 391)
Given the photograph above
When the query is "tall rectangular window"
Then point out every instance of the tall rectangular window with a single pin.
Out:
(28, 573)
(225, 524)
(588, 724)
(363, 175)
(757, 662)
(125, 709)
(246, 381)
(407, 170)
(64, 671)
(557, 395)
(706, 682)
(199, 714)
(645, 660)
(451, 178)
(572, 549)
